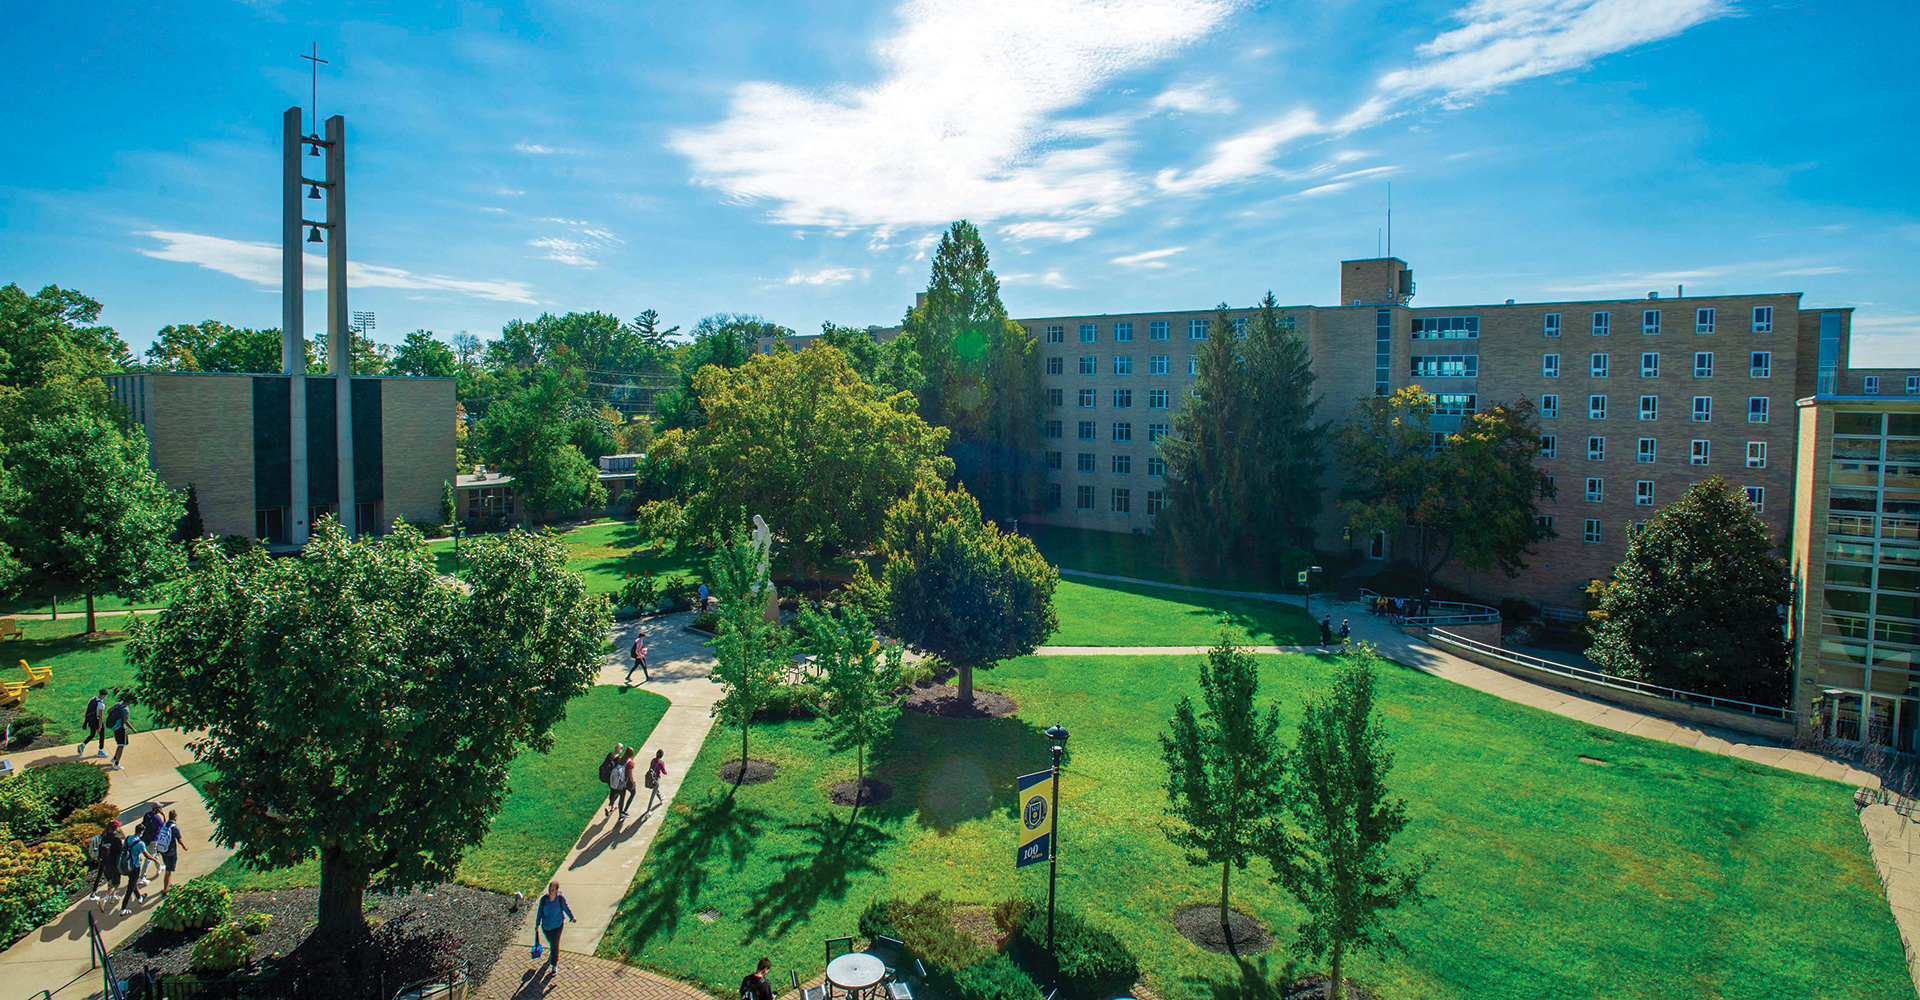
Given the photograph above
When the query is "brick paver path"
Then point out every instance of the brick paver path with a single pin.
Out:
(581, 977)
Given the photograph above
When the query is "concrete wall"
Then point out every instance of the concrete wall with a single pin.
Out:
(201, 430)
(417, 446)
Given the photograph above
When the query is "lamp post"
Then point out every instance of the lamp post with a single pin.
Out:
(1058, 734)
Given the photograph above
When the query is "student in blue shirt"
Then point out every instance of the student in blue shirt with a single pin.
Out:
(550, 916)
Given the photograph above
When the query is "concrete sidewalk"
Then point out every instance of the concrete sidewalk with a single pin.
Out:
(56, 957)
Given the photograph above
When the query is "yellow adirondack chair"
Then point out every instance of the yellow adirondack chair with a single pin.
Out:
(10, 629)
(37, 676)
(13, 692)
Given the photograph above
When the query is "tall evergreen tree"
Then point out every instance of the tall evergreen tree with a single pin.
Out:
(1698, 601)
(192, 526)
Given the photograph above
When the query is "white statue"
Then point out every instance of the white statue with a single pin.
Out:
(763, 540)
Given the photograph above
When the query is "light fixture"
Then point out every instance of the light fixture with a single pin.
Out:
(313, 235)
(313, 192)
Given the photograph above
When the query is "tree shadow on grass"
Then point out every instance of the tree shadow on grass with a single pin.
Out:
(837, 850)
(678, 866)
(1254, 980)
(945, 772)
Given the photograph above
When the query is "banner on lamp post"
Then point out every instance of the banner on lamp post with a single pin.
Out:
(1034, 793)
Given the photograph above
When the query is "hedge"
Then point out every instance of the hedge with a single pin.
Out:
(34, 882)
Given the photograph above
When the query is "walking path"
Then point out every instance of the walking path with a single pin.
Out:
(56, 957)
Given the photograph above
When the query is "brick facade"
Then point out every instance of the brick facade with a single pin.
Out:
(417, 415)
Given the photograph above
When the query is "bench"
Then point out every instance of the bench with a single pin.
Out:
(37, 676)
(10, 629)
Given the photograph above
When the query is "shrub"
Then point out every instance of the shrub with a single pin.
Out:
(236, 545)
(626, 504)
(431, 530)
(68, 785)
(1011, 914)
(679, 591)
(77, 834)
(997, 978)
(790, 701)
(660, 519)
(97, 813)
(925, 926)
(223, 949)
(23, 808)
(639, 592)
(257, 922)
(192, 905)
(24, 729)
(34, 882)
(1090, 960)
(706, 621)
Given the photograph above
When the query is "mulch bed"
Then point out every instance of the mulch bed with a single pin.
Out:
(1315, 987)
(757, 771)
(416, 934)
(845, 794)
(1201, 925)
(944, 701)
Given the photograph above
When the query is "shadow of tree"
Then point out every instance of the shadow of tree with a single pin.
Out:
(837, 850)
(947, 771)
(679, 866)
(1255, 980)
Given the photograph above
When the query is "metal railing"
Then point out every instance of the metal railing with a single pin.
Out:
(1561, 616)
(1445, 638)
(1437, 612)
(445, 986)
(112, 987)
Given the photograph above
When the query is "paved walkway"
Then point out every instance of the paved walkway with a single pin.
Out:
(1896, 857)
(56, 957)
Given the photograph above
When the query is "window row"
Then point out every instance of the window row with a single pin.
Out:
(1870, 385)
(1759, 364)
(1119, 465)
(1643, 493)
(1647, 451)
(1121, 430)
(1157, 364)
(1759, 408)
(1119, 499)
(1704, 321)
(1122, 398)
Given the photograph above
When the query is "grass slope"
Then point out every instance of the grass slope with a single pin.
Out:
(1101, 613)
(552, 798)
(81, 666)
(1667, 873)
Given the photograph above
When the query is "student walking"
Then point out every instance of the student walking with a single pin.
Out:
(118, 719)
(630, 784)
(96, 724)
(167, 843)
(149, 832)
(703, 597)
(656, 771)
(613, 771)
(551, 916)
(639, 652)
(106, 863)
(1346, 631)
(755, 986)
(133, 854)
(1326, 631)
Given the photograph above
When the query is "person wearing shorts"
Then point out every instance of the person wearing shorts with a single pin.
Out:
(167, 842)
(118, 718)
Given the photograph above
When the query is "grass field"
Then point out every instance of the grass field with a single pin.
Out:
(81, 666)
(1100, 613)
(605, 552)
(1664, 873)
(552, 798)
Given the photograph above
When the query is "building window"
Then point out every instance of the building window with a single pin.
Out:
(1156, 431)
(1550, 366)
(1591, 532)
(1703, 364)
(1545, 521)
(1089, 366)
(1871, 385)
(1650, 364)
(1085, 431)
(1056, 366)
(1703, 320)
(1056, 398)
(1157, 330)
(1649, 407)
(1756, 409)
(1596, 449)
(1647, 452)
(1913, 385)
(1193, 364)
(1196, 329)
(1596, 407)
(1053, 496)
(1123, 399)
(1239, 327)
(1756, 454)
(1597, 366)
(1550, 325)
(1122, 333)
(1550, 406)
(1453, 328)
(1757, 498)
(1123, 364)
(1593, 489)
(1447, 366)
(1123, 465)
(1602, 323)
(1086, 463)
(1454, 404)
(1122, 431)
(1053, 428)
(1827, 373)
(1650, 323)
(1156, 466)
(1056, 334)
(1763, 319)
(1088, 333)
(1547, 446)
(1156, 399)
(1643, 493)
(1382, 351)
(1699, 452)
(1083, 497)
(1054, 460)
(1156, 364)
(1760, 365)
(1122, 501)
(1702, 409)
(1087, 399)
(1156, 502)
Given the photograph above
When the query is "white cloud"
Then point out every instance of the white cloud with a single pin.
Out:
(1065, 232)
(1802, 272)
(1149, 258)
(963, 123)
(1201, 98)
(578, 246)
(1052, 279)
(824, 276)
(539, 150)
(1646, 281)
(259, 263)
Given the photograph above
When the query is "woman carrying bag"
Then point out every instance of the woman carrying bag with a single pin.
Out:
(549, 918)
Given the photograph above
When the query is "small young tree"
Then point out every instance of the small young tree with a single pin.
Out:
(857, 679)
(1336, 863)
(192, 526)
(360, 707)
(749, 652)
(448, 509)
(1224, 768)
(1697, 601)
(959, 588)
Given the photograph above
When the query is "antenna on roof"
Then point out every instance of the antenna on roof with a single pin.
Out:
(1389, 218)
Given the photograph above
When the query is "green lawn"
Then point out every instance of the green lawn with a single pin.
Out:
(552, 797)
(1666, 873)
(1149, 557)
(103, 602)
(1099, 613)
(81, 666)
(605, 553)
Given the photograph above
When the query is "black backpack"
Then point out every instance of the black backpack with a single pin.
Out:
(606, 768)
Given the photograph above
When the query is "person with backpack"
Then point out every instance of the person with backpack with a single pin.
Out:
(630, 783)
(150, 825)
(167, 843)
(755, 986)
(613, 770)
(551, 916)
(105, 849)
(639, 652)
(117, 721)
(133, 854)
(96, 724)
(1346, 631)
(1326, 631)
(656, 770)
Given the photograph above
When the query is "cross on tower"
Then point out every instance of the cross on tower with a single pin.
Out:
(313, 104)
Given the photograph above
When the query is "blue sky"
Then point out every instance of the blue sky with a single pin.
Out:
(795, 160)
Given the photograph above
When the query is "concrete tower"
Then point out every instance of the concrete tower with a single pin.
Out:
(293, 330)
(293, 353)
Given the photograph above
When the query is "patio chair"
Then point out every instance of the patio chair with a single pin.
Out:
(10, 629)
(37, 676)
(892, 952)
(13, 692)
(809, 993)
(900, 989)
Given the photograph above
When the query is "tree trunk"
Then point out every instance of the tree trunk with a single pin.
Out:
(966, 685)
(89, 612)
(799, 572)
(742, 776)
(55, 605)
(1334, 989)
(343, 887)
(1226, 929)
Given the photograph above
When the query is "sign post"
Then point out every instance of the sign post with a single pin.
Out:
(1039, 797)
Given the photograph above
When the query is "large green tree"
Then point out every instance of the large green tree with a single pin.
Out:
(1699, 601)
(421, 355)
(1224, 767)
(723, 340)
(958, 588)
(1336, 863)
(982, 376)
(360, 707)
(889, 366)
(529, 436)
(800, 439)
(856, 681)
(213, 346)
(1471, 495)
(1244, 463)
(749, 652)
(53, 336)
